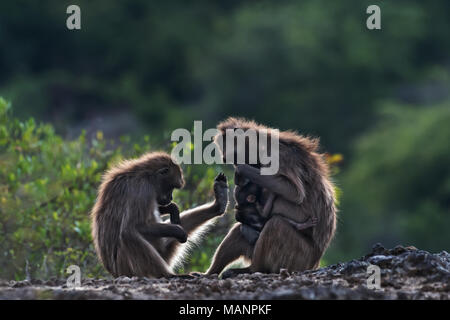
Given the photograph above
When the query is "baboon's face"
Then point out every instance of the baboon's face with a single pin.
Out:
(246, 195)
(167, 179)
(222, 144)
(232, 154)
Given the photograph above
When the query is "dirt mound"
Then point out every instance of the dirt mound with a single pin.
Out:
(405, 273)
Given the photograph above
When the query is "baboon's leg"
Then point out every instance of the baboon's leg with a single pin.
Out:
(193, 219)
(233, 246)
(190, 221)
(281, 247)
(137, 257)
(275, 183)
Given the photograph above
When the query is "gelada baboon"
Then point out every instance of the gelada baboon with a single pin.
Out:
(248, 209)
(303, 192)
(129, 235)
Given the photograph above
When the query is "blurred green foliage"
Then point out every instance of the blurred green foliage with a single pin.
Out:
(47, 188)
(380, 98)
(310, 65)
(398, 185)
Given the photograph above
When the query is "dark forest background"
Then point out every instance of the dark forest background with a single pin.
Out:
(80, 100)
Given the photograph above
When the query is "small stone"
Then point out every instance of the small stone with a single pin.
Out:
(121, 280)
(20, 284)
(378, 249)
(226, 284)
(284, 273)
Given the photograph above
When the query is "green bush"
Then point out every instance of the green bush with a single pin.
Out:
(48, 186)
(308, 65)
(397, 185)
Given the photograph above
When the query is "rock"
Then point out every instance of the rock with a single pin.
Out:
(378, 249)
(380, 260)
(354, 266)
(406, 273)
(122, 280)
(284, 273)
(20, 284)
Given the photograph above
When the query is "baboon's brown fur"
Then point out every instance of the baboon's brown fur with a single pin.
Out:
(129, 235)
(303, 191)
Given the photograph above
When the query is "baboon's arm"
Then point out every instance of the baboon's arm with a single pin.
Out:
(138, 257)
(290, 210)
(162, 230)
(190, 221)
(277, 184)
(268, 205)
(311, 222)
(233, 246)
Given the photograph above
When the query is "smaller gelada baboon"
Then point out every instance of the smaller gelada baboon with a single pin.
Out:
(129, 235)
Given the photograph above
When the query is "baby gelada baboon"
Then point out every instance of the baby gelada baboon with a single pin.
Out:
(253, 208)
(248, 208)
(129, 235)
(303, 194)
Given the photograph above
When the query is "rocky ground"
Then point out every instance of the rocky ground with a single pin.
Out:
(406, 273)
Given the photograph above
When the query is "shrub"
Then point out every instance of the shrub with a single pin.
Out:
(48, 186)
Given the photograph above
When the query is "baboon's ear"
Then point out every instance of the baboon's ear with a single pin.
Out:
(163, 171)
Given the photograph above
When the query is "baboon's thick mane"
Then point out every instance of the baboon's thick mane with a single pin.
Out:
(289, 137)
(149, 163)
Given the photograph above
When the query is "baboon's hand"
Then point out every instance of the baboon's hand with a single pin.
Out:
(171, 208)
(221, 192)
(174, 213)
(311, 222)
(180, 234)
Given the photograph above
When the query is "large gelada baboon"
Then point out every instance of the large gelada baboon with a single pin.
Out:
(303, 192)
(129, 235)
